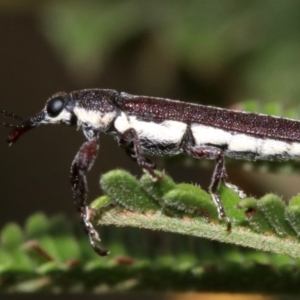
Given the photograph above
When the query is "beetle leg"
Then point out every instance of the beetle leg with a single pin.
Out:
(130, 141)
(81, 164)
(219, 174)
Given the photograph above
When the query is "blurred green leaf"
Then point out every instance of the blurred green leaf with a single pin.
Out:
(256, 42)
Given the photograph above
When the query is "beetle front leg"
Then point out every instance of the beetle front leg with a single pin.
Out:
(81, 164)
(130, 141)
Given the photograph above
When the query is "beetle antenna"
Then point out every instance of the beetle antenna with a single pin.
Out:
(10, 114)
(7, 113)
(4, 124)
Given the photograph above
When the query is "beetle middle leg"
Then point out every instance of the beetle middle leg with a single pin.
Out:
(130, 141)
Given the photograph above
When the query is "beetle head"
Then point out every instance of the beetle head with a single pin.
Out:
(91, 109)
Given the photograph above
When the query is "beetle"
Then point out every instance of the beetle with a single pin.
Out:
(147, 126)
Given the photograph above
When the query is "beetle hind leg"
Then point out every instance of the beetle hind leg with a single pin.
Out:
(219, 175)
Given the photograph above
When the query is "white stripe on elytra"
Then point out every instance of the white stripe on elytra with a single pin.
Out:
(295, 149)
(236, 142)
(165, 132)
(209, 135)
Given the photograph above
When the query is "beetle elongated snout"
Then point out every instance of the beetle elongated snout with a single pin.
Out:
(25, 126)
(58, 109)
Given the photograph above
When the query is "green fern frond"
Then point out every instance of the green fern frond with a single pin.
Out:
(51, 254)
(264, 224)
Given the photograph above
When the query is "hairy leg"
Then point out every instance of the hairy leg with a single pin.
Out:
(130, 141)
(81, 164)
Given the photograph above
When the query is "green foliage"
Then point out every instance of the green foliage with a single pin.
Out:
(240, 40)
(51, 254)
(120, 185)
(266, 224)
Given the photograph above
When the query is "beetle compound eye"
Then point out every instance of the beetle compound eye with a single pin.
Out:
(55, 106)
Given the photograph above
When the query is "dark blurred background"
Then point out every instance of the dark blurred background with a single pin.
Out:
(211, 51)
